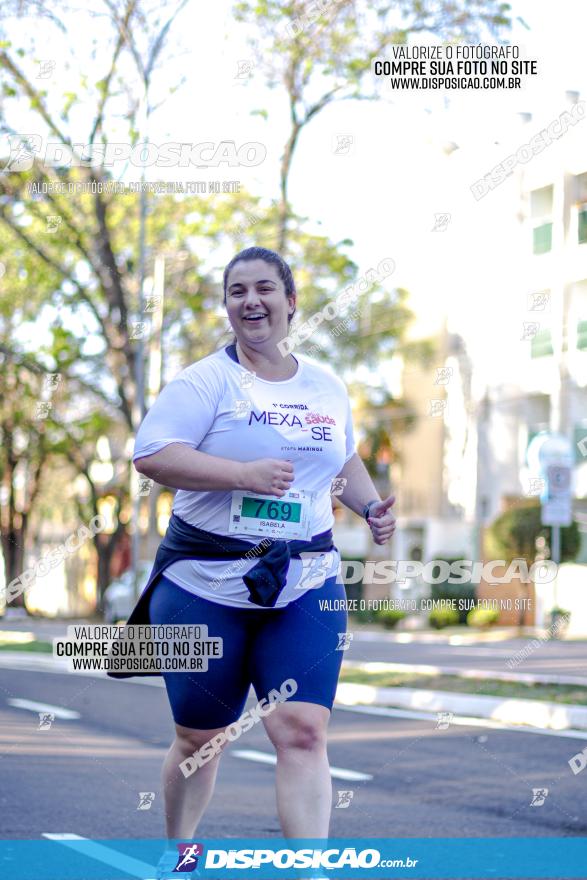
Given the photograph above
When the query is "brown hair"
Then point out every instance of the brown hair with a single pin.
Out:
(271, 257)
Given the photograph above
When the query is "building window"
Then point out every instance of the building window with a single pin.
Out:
(541, 213)
(580, 443)
(541, 344)
(542, 239)
(581, 202)
(582, 335)
(582, 231)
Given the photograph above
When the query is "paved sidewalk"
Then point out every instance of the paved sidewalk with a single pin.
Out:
(454, 635)
(459, 672)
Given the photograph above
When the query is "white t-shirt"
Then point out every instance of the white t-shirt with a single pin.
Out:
(218, 407)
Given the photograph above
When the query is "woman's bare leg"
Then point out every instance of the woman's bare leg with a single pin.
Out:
(303, 783)
(187, 798)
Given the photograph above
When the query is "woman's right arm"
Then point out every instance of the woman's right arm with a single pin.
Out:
(181, 467)
(166, 444)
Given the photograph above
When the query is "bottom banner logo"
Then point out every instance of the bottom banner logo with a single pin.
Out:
(187, 860)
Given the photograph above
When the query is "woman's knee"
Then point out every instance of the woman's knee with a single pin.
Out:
(209, 742)
(294, 730)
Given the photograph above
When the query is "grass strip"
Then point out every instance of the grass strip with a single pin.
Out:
(554, 693)
(36, 647)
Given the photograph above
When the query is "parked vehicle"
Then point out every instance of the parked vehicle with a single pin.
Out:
(120, 596)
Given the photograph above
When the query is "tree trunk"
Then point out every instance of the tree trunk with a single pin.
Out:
(286, 161)
(105, 550)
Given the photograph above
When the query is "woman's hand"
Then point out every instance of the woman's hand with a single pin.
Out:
(382, 522)
(268, 476)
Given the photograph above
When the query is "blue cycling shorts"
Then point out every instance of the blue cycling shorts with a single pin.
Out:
(260, 647)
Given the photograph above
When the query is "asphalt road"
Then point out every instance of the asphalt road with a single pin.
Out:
(84, 775)
(550, 658)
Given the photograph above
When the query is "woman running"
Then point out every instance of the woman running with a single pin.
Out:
(252, 439)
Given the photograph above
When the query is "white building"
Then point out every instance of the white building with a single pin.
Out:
(512, 336)
(536, 376)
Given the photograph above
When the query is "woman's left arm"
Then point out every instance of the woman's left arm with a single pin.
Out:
(358, 491)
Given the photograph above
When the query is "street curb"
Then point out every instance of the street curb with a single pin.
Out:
(532, 713)
(458, 672)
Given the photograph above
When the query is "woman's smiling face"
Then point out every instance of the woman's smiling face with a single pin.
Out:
(256, 303)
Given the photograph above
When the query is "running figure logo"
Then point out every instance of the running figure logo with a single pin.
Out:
(538, 302)
(51, 381)
(242, 408)
(539, 795)
(337, 486)
(245, 68)
(53, 222)
(138, 330)
(43, 409)
(443, 375)
(46, 68)
(23, 148)
(316, 567)
(145, 486)
(146, 798)
(153, 304)
(443, 720)
(530, 330)
(187, 861)
(45, 720)
(441, 222)
(344, 799)
(343, 144)
(437, 406)
(536, 486)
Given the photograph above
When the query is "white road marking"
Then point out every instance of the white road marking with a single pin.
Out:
(264, 758)
(31, 706)
(461, 720)
(101, 853)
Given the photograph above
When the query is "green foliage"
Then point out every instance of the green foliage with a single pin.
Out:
(390, 618)
(367, 615)
(81, 280)
(327, 49)
(557, 611)
(453, 592)
(513, 534)
(482, 617)
(441, 617)
(559, 620)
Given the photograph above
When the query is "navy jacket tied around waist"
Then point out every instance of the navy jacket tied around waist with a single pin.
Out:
(265, 580)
